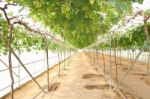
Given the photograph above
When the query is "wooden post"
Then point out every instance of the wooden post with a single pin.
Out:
(47, 63)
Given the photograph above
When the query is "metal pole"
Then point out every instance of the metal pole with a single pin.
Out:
(129, 68)
(110, 60)
(59, 64)
(19, 68)
(47, 64)
(27, 70)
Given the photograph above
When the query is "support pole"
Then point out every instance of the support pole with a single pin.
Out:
(70, 57)
(148, 68)
(27, 70)
(110, 61)
(64, 60)
(129, 68)
(103, 61)
(146, 30)
(59, 64)
(116, 67)
(19, 69)
(47, 64)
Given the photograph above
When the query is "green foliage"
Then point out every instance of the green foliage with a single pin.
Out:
(79, 22)
(24, 40)
(133, 38)
(3, 35)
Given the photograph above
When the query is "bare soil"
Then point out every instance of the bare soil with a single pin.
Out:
(136, 85)
(80, 80)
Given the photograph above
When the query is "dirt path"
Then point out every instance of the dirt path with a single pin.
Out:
(79, 81)
(137, 83)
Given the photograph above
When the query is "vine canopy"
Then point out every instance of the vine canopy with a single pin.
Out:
(79, 22)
